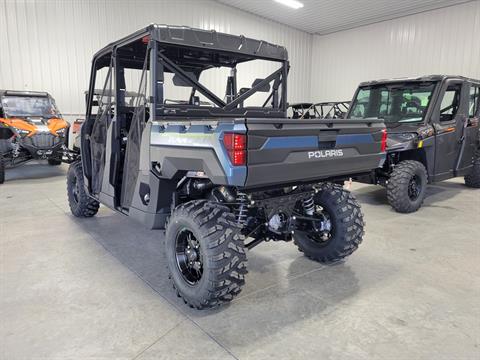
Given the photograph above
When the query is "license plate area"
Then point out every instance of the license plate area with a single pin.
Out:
(327, 140)
(326, 145)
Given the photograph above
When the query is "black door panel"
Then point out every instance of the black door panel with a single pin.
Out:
(448, 120)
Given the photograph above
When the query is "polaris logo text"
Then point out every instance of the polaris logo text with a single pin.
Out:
(325, 153)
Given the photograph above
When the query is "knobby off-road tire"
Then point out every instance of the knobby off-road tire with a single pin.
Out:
(81, 205)
(2, 169)
(407, 186)
(473, 178)
(347, 226)
(220, 248)
(54, 162)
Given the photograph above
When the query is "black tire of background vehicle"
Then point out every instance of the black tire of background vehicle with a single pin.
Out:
(398, 184)
(5, 145)
(54, 162)
(473, 178)
(2, 170)
(347, 226)
(222, 250)
(81, 205)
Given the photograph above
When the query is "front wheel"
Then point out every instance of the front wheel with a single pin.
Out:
(333, 228)
(81, 204)
(205, 254)
(406, 186)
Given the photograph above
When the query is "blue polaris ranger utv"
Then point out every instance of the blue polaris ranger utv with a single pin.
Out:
(218, 165)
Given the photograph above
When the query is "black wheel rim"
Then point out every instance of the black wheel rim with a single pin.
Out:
(318, 227)
(188, 256)
(414, 187)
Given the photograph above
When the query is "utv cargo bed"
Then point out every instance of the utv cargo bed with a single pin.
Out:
(286, 150)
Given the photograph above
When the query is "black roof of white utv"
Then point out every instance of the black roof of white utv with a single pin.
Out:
(203, 39)
(421, 79)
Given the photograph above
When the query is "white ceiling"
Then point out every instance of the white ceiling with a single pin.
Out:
(328, 16)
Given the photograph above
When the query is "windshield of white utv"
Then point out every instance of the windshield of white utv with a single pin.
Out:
(24, 106)
(406, 102)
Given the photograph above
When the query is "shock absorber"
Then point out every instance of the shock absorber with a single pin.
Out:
(241, 209)
(309, 205)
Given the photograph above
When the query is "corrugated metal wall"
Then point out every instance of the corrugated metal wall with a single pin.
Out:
(48, 45)
(441, 41)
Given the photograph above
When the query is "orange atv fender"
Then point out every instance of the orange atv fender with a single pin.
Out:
(19, 124)
(56, 124)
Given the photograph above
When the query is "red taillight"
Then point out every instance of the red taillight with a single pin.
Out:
(236, 146)
(384, 140)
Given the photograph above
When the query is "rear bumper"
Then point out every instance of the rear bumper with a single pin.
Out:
(294, 171)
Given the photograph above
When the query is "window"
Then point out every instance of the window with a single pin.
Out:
(214, 78)
(359, 106)
(29, 106)
(404, 102)
(474, 101)
(450, 103)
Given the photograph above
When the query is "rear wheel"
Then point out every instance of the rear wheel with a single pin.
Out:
(81, 204)
(337, 230)
(406, 186)
(473, 179)
(54, 162)
(2, 169)
(205, 254)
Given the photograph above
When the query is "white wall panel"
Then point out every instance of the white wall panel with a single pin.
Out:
(443, 41)
(48, 44)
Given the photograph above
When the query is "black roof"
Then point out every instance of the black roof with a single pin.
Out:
(420, 78)
(203, 39)
(23, 93)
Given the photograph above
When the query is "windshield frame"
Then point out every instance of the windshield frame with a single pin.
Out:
(9, 114)
(393, 84)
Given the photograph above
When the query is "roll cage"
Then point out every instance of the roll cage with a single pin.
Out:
(181, 52)
(186, 53)
(322, 110)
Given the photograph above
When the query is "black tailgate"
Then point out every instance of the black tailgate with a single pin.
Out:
(282, 151)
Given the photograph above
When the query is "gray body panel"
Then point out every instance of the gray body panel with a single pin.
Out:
(280, 151)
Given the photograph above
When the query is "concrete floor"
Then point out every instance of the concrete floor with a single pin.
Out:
(97, 288)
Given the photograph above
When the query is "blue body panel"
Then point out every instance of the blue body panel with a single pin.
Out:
(291, 142)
